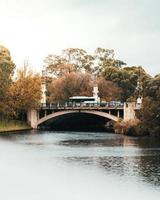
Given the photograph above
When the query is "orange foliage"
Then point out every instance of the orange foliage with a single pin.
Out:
(108, 91)
(72, 84)
(25, 92)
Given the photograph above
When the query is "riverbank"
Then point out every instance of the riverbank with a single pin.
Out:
(12, 126)
(130, 128)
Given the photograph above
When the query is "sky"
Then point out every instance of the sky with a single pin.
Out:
(32, 29)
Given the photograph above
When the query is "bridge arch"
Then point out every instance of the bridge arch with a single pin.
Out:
(60, 113)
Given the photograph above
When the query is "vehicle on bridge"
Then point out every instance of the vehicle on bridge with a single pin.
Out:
(83, 101)
(115, 104)
(92, 101)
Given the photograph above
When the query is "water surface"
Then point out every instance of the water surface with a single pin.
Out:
(62, 165)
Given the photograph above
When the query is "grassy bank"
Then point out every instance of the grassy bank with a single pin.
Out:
(13, 125)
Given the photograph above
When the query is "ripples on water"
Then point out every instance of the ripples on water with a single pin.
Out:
(76, 165)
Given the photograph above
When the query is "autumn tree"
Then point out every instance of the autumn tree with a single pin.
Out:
(25, 92)
(108, 91)
(79, 84)
(72, 84)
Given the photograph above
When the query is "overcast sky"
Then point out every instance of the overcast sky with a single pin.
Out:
(32, 29)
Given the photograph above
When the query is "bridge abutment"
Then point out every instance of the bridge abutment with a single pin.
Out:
(129, 111)
(32, 118)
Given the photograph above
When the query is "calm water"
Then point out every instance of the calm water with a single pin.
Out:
(79, 165)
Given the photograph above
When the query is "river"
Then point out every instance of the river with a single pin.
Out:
(38, 165)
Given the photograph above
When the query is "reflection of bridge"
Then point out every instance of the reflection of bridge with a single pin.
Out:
(115, 113)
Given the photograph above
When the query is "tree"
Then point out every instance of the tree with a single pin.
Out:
(6, 71)
(150, 112)
(71, 60)
(72, 84)
(78, 60)
(58, 66)
(108, 91)
(79, 57)
(79, 84)
(104, 58)
(25, 92)
(126, 78)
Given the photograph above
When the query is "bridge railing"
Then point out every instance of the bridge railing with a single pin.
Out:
(67, 105)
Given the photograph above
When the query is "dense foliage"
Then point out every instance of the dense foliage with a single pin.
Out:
(149, 115)
(25, 92)
(18, 91)
(76, 83)
(102, 64)
(6, 71)
(126, 78)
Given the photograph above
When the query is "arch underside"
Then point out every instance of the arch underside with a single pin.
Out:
(61, 113)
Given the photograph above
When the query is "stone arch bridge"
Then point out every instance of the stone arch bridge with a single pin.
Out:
(124, 112)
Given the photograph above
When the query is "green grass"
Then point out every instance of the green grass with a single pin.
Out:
(13, 125)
